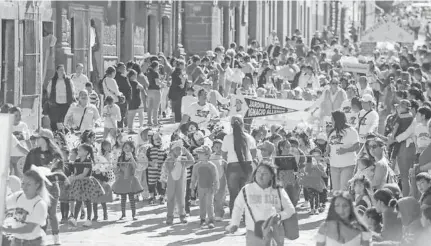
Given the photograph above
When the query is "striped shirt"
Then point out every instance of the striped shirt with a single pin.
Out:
(157, 154)
(94, 98)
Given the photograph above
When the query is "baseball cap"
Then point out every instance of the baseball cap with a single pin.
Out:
(268, 146)
(207, 82)
(203, 150)
(45, 133)
(367, 98)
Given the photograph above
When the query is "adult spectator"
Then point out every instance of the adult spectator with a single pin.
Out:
(154, 93)
(82, 115)
(21, 132)
(126, 90)
(238, 150)
(343, 142)
(177, 89)
(364, 88)
(368, 118)
(110, 87)
(135, 102)
(60, 91)
(143, 80)
(330, 100)
(375, 147)
(79, 79)
(201, 112)
(195, 72)
(385, 203)
(48, 154)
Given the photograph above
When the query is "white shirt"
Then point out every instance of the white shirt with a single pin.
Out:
(23, 128)
(228, 146)
(110, 88)
(79, 83)
(20, 210)
(76, 113)
(263, 203)
(113, 113)
(352, 117)
(201, 114)
(369, 123)
(367, 90)
(422, 137)
(186, 101)
(306, 80)
(343, 140)
(60, 90)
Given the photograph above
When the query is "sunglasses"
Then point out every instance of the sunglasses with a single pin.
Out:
(373, 146)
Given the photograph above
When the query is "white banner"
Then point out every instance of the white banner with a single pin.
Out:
(5, 133)
(355, 67)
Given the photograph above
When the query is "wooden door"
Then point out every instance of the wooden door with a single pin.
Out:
(80, 37)
(8, 61)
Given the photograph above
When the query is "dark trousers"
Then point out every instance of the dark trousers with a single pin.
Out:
(56, 113)
(156, 188)
(237, 175)
(188, 197)
(314, 198)
(176, 108)
(123, 110)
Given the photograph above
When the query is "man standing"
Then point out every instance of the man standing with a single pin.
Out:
(79, 79)
(126, 89)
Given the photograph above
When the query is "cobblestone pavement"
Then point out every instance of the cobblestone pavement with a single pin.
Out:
(150, 229)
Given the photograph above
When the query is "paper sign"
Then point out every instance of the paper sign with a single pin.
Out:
(6, 133)
(388, 32)
(258, 108)
(355, 67)
(367, 48)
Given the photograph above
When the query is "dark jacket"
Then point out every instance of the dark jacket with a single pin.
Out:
(69, 92)
(124, 86)
(175, 91)
(41, 158)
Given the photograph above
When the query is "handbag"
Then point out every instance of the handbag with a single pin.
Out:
(291, 226)
(258, 232)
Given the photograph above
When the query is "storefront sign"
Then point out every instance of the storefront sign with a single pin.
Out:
(355, 67)
(259, 109)
(388, 31)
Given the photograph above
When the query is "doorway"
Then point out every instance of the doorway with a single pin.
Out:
(226, 27)
(152, 34)
(8, 61)
(166, 30)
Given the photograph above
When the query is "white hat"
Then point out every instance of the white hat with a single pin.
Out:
(368, 98)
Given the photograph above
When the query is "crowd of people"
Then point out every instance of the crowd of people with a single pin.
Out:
(366, 147)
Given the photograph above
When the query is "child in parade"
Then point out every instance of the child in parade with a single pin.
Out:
(176, 165)
(220, 195)
(205, 177)
(156, 156)
(365, 167)
(197, 139)
(374, 220)
(84, 187)
(111, 114)
(141, 154)
(313, 182)
(127, 184)
(103, 172)
(363, 192)
(65, 187)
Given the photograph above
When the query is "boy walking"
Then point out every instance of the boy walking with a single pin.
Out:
(205, 177)
(220, 195)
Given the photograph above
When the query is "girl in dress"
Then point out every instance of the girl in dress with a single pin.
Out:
(84, 187)
(141, 154)
(104, 173)
(363, 192)
(127, 183)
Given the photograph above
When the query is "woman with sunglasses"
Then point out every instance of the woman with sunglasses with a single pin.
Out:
(270, 204)
(343, 141)
(342, 225)
(375, 147)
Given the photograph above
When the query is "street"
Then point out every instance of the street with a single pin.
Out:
(150, 229)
